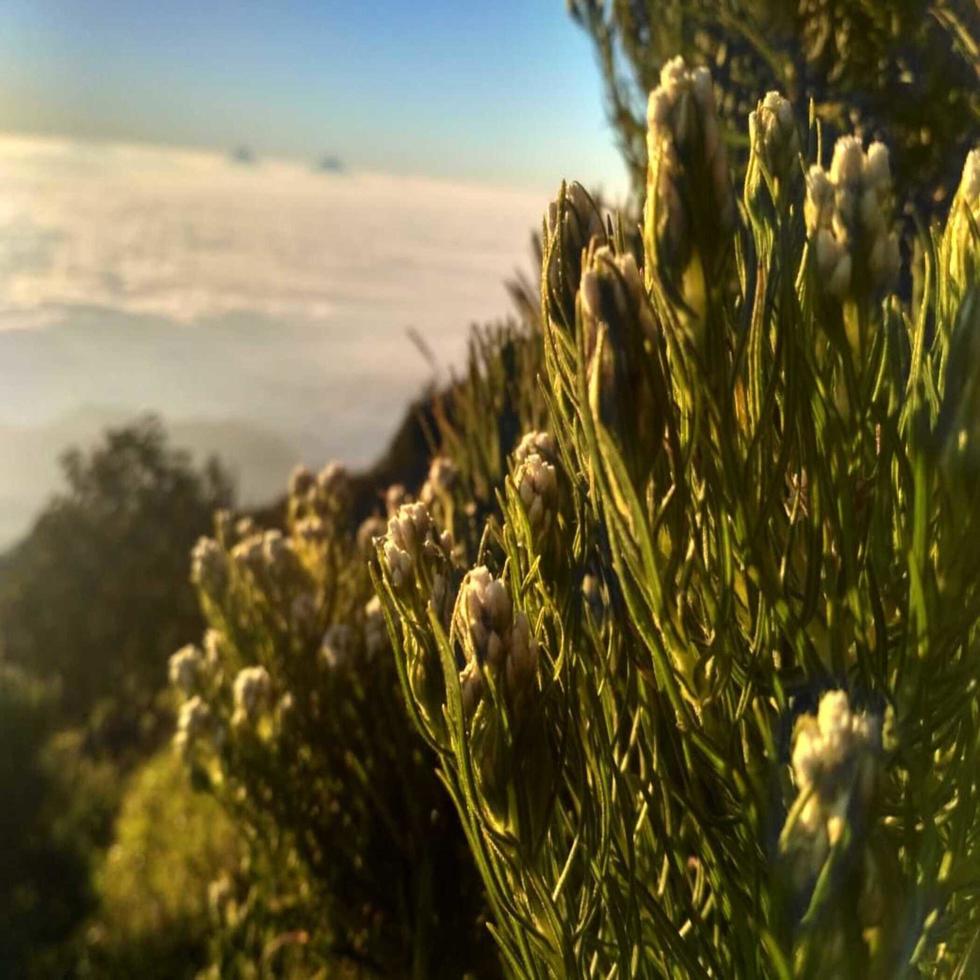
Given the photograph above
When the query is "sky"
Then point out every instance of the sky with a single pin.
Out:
(503, 92)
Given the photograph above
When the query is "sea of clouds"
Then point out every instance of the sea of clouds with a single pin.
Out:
(261, 308)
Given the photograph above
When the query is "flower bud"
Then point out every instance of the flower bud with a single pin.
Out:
(494, 638)
(214, 642)
(249, 554)
(775, 144)
(833, 762)
(412, 536)
(252, 690)
(537, 486)
(194, 721)
(571, 222)
(209, 567)
(185, 667)
(541, 443)
(848, 219)
(689, 206)
(221, 894)
(245, 527)
(626, 387)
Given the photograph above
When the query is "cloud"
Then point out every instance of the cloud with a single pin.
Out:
(157, 279)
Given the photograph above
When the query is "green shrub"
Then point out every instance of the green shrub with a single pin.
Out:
(292, 717)
(704, 686)
(169, 844)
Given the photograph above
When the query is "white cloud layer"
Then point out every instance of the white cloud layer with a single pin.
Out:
(146, 278)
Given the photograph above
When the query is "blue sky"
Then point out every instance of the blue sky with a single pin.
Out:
(505, 92)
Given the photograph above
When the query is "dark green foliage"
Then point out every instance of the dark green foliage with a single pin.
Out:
(904, 71)
(97, 595)
(54, 811)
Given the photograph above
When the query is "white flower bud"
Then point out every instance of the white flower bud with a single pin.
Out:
(185, 668)
(194, 721)
(221, 893)
(658, 109)
(704, 91)
(274, 548)
(847, 164)
(850, 207)
(673, 74)
(411, 535)
(249, 553)
(535, 442)
(537, 486)
(831, 756)
(828, 251)
(209, 570)
(245, 527)
(682, 126)
(487, 612)
(252, 690)
(877, 170)
(522, 657)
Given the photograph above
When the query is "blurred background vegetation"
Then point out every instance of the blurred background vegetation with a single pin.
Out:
(109, 851)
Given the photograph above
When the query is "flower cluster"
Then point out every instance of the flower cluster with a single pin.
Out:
(412, 538)
(209, 568)
(494, 638)
(537, 486)
(570, 224)
(848, 213)
(621, 366)
(834, 755)
(688, 167)
(775, 143)
(540, 443)
(325, 495)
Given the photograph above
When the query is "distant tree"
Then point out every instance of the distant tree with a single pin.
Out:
(906, 71)
(97, 595)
